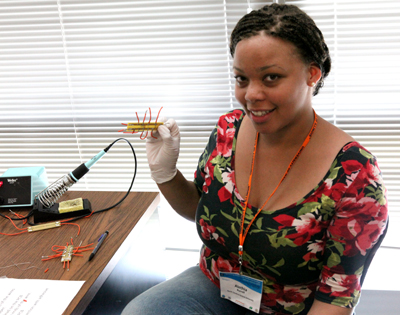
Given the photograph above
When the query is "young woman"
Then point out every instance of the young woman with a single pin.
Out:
(290, 208)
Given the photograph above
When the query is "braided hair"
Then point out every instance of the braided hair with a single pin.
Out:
(289, 23)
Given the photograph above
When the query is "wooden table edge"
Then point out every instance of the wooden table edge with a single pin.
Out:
(123, 249)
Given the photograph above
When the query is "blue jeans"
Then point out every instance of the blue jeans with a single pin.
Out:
(190, 293)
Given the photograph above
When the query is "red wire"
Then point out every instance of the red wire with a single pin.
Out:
(15, 225)
(158, 114)
(13, 233)
(25, 230)
(156, 123)
(79, 228)
(20, 216)
(150, 114)
(86, 245)
(141, 136)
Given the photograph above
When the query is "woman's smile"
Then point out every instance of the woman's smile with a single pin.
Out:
(260, 116)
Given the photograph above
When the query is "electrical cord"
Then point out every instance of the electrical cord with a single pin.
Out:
(19, 218)
(123, 198)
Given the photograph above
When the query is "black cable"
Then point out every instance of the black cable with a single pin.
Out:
(127, 193)
(17, 219)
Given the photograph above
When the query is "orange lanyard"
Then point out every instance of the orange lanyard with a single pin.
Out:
(242, 236)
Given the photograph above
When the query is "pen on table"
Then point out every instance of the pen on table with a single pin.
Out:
(99, 242)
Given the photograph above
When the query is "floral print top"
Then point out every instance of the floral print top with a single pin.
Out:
(319, 247)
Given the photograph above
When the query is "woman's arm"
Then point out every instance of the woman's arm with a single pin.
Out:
(319, 308)
(162, 154)
(354, 232)
(182, 195)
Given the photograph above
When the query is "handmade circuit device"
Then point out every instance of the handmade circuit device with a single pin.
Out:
(66, 252)
(19, 186)
(143, 127)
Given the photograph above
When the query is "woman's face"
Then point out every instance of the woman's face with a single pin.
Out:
(273, 84)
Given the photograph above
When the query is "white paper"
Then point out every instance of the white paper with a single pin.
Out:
(36, 297)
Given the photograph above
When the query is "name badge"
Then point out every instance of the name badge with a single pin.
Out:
(242, 290)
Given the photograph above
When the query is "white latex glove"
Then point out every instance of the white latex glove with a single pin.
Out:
(163, 152)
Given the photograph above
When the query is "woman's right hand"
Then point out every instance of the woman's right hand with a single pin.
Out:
(162, 153)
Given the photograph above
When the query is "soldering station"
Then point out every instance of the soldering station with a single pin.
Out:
(28, 187)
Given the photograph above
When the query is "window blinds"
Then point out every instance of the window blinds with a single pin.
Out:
(361, 95)
(72, 71)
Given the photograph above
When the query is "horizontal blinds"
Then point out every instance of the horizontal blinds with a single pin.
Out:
(72, 71)
(36, 121)
(368, 80)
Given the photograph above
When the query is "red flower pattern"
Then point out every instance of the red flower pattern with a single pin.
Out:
(338, 284)
(209, 232)
(306, 226)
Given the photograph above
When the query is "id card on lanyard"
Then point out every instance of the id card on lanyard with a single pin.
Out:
(242, 290)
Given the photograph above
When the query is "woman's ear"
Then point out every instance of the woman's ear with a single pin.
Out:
(314, 74)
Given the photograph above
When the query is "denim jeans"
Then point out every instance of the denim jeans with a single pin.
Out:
(190, 293)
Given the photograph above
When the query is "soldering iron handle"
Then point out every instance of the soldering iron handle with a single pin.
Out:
(79, 172)
(82, 169)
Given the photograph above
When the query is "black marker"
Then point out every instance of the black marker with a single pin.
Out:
(99, 242)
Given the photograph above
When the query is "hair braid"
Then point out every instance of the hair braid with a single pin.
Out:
(289, 23)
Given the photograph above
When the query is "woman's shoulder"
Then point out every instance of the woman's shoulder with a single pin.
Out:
(329, 139)
(355, 150)
(342, 144)
(334, 134)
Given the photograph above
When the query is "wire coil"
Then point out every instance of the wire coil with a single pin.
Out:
(53, 192)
